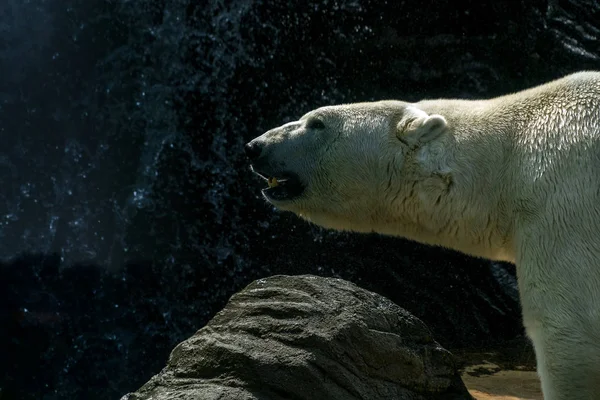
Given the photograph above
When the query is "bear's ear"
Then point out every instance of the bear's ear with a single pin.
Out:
(417, 127)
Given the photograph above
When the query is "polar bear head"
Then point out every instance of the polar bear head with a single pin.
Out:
(351, 167)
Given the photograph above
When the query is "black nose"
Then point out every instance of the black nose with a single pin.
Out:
(253, 150)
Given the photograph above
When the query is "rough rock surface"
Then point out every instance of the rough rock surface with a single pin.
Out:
(306, 337)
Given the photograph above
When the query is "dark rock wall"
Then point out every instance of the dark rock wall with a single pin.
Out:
(122, 125)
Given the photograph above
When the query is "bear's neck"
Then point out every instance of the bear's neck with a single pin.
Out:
(460, 201)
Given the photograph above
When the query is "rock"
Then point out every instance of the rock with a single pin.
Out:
(306, 337)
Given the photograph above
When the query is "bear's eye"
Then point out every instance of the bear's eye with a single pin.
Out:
(315, 123)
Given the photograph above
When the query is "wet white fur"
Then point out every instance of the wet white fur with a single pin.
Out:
(514, 178)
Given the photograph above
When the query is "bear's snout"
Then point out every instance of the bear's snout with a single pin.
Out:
(253, 150)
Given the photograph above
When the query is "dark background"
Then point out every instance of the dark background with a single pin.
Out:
(128, 214)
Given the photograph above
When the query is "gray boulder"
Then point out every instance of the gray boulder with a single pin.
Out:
(307, 337)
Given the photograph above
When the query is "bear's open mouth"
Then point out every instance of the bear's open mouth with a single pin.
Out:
(282, 186)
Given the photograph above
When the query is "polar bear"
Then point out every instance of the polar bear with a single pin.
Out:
(514, 178)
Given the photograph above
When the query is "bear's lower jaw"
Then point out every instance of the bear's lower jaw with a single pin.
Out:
(283, 187)
(288, 187)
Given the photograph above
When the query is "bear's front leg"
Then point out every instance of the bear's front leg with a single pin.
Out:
(568, 369)
(560, 294)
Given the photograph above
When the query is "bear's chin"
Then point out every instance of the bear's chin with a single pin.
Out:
(279, 194)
